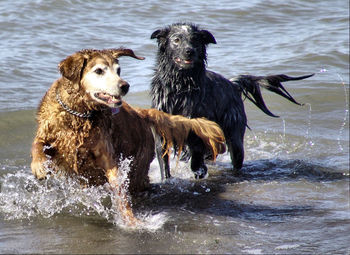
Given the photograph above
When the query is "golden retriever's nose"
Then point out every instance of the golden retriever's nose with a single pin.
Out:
(124, 86)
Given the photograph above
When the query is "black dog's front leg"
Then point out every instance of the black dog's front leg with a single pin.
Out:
(198, 150)
(166, 166)
(197, 159)
(163, 158)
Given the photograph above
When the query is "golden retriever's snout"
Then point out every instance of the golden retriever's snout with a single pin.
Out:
(124, 87)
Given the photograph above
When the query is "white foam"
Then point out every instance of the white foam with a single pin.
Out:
(253, 251)
(178, 170)
(147, 222)
(287, 246)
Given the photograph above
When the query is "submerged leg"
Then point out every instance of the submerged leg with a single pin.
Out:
(197, 149)
(162, 157)
(237, 154)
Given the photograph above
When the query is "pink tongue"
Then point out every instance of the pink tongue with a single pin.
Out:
(112, 100)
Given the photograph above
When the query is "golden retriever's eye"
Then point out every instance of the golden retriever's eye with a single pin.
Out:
(118, 71)
(99, 71)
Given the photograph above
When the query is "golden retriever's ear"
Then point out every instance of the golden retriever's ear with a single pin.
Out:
(71, 67)
(124, 52)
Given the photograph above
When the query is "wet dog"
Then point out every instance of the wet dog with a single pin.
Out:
(86, 130)
(182, 85)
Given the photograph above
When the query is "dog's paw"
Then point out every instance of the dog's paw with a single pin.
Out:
(201, 172)
(38, 169)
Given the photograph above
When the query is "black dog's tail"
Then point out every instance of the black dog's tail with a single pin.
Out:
(250, 87)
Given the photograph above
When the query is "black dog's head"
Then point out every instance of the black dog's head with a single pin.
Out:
(184, 44)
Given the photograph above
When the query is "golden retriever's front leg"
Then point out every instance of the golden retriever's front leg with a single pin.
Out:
(121, 191)
(38, 159)
(103, 153)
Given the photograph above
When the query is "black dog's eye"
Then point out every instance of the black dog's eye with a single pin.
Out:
(176, 40)
(99, 71)
(196, 38)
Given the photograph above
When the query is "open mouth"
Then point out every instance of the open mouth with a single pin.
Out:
(183, 61)
(114, 101)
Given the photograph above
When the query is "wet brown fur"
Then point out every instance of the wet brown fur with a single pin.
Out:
(93, 147)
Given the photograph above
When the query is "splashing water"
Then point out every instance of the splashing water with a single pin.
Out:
(346, 113)
(309, 126)
(23, 197)
(122, 182)
(147, 221)
(283, 136)
(346, 99)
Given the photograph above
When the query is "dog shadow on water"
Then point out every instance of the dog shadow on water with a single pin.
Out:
(208, 196)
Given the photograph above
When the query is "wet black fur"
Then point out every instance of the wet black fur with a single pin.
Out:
(189, 89)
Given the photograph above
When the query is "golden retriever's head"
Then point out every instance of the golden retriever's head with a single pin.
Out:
(97, 72)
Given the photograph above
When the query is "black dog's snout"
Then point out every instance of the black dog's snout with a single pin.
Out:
(189, 51)
(124, 86)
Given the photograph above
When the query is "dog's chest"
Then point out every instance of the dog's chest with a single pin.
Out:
(178, 97)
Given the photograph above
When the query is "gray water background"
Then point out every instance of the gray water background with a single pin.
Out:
(293, 196)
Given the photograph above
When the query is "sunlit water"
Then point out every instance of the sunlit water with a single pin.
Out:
(293, 194)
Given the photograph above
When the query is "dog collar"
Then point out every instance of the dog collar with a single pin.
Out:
(115, 111)
(86, 115)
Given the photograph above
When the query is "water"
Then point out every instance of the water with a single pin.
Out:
(293, 195)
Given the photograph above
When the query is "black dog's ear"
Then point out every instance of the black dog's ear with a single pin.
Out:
(207, 37)
(160, 33)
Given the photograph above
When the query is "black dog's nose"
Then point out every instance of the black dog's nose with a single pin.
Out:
(124, 86)
(189, 51)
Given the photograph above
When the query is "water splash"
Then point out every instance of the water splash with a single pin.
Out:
(147, 220)
(346, 104)
(346, 113)
(122, 182)
(309, 127)
(23, 197)
(283, 136)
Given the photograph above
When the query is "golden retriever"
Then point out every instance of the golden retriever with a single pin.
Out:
(85, 129)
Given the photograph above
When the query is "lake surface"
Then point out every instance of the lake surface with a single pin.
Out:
(293, 194)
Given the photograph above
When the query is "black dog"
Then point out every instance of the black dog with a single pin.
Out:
(182, 85)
